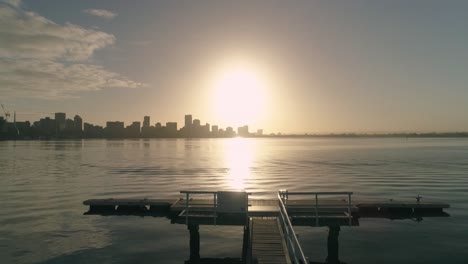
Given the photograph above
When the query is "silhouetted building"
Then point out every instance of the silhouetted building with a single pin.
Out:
(47, 127)
(146, 121)
(2, 124)
(221, 133)
(114, 129)
(78, 124)
(214, 131)
(187, 130)
(69, 127)
(188, 121)
(171, 126)
(92, 131)
(243, 131)
(206, 130)
(59, 123)
(133, 130)
(229, 132)
(23, 129)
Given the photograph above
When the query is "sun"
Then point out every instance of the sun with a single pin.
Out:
(239, 95)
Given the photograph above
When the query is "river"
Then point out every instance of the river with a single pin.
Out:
(43, 185)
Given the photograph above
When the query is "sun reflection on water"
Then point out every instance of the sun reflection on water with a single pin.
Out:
(239, 157)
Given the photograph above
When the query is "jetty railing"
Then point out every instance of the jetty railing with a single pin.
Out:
(230, 202)
(187, 203)
(284, 196)
(295, 250)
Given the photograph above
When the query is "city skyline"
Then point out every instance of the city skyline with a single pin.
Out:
(62, 127)
(325, 67)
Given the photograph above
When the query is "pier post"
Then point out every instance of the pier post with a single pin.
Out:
(246, 243)
(332, 244)
(194, 241)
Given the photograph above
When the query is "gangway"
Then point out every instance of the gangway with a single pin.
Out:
(294, 248)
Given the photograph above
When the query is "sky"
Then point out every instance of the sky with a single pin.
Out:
(284, 66)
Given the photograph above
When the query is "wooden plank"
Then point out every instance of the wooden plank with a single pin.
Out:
(267, 241)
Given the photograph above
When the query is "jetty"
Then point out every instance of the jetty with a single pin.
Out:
(269, 235)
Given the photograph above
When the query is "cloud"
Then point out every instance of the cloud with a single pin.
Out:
(50, 79)
(15, 3)
(100, 13)
(29, 35)
(42, 59)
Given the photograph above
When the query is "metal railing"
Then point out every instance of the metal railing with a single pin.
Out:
(284, 195)
(217, 207)
(187, 203)
(295, 251)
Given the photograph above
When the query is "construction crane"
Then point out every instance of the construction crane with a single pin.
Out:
(7, 114)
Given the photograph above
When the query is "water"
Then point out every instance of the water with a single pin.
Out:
(43, 184)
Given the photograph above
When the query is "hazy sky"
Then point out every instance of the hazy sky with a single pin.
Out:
(325, 66)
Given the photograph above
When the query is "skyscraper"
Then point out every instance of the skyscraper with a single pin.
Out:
(59, 122)
(146, 121)
(78, 124)
(243, 131)
(188, 121)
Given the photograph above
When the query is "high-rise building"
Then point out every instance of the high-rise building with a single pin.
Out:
(59, 122)
(47, 126)
(69, 126)
(78, 124)
(259, 132)
(214, 129)
(243, 131)
(196, 122)
(146, 121)
(206, 130)
(230, 132)
(188, 121)
(136, 125)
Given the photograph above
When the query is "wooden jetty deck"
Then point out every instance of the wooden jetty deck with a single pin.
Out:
(263, 207)
(267, 242)
(268, 223)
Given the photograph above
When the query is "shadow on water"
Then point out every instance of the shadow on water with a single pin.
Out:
(112, 252)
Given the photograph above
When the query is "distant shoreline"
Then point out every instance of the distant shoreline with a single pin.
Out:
(342, 135)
